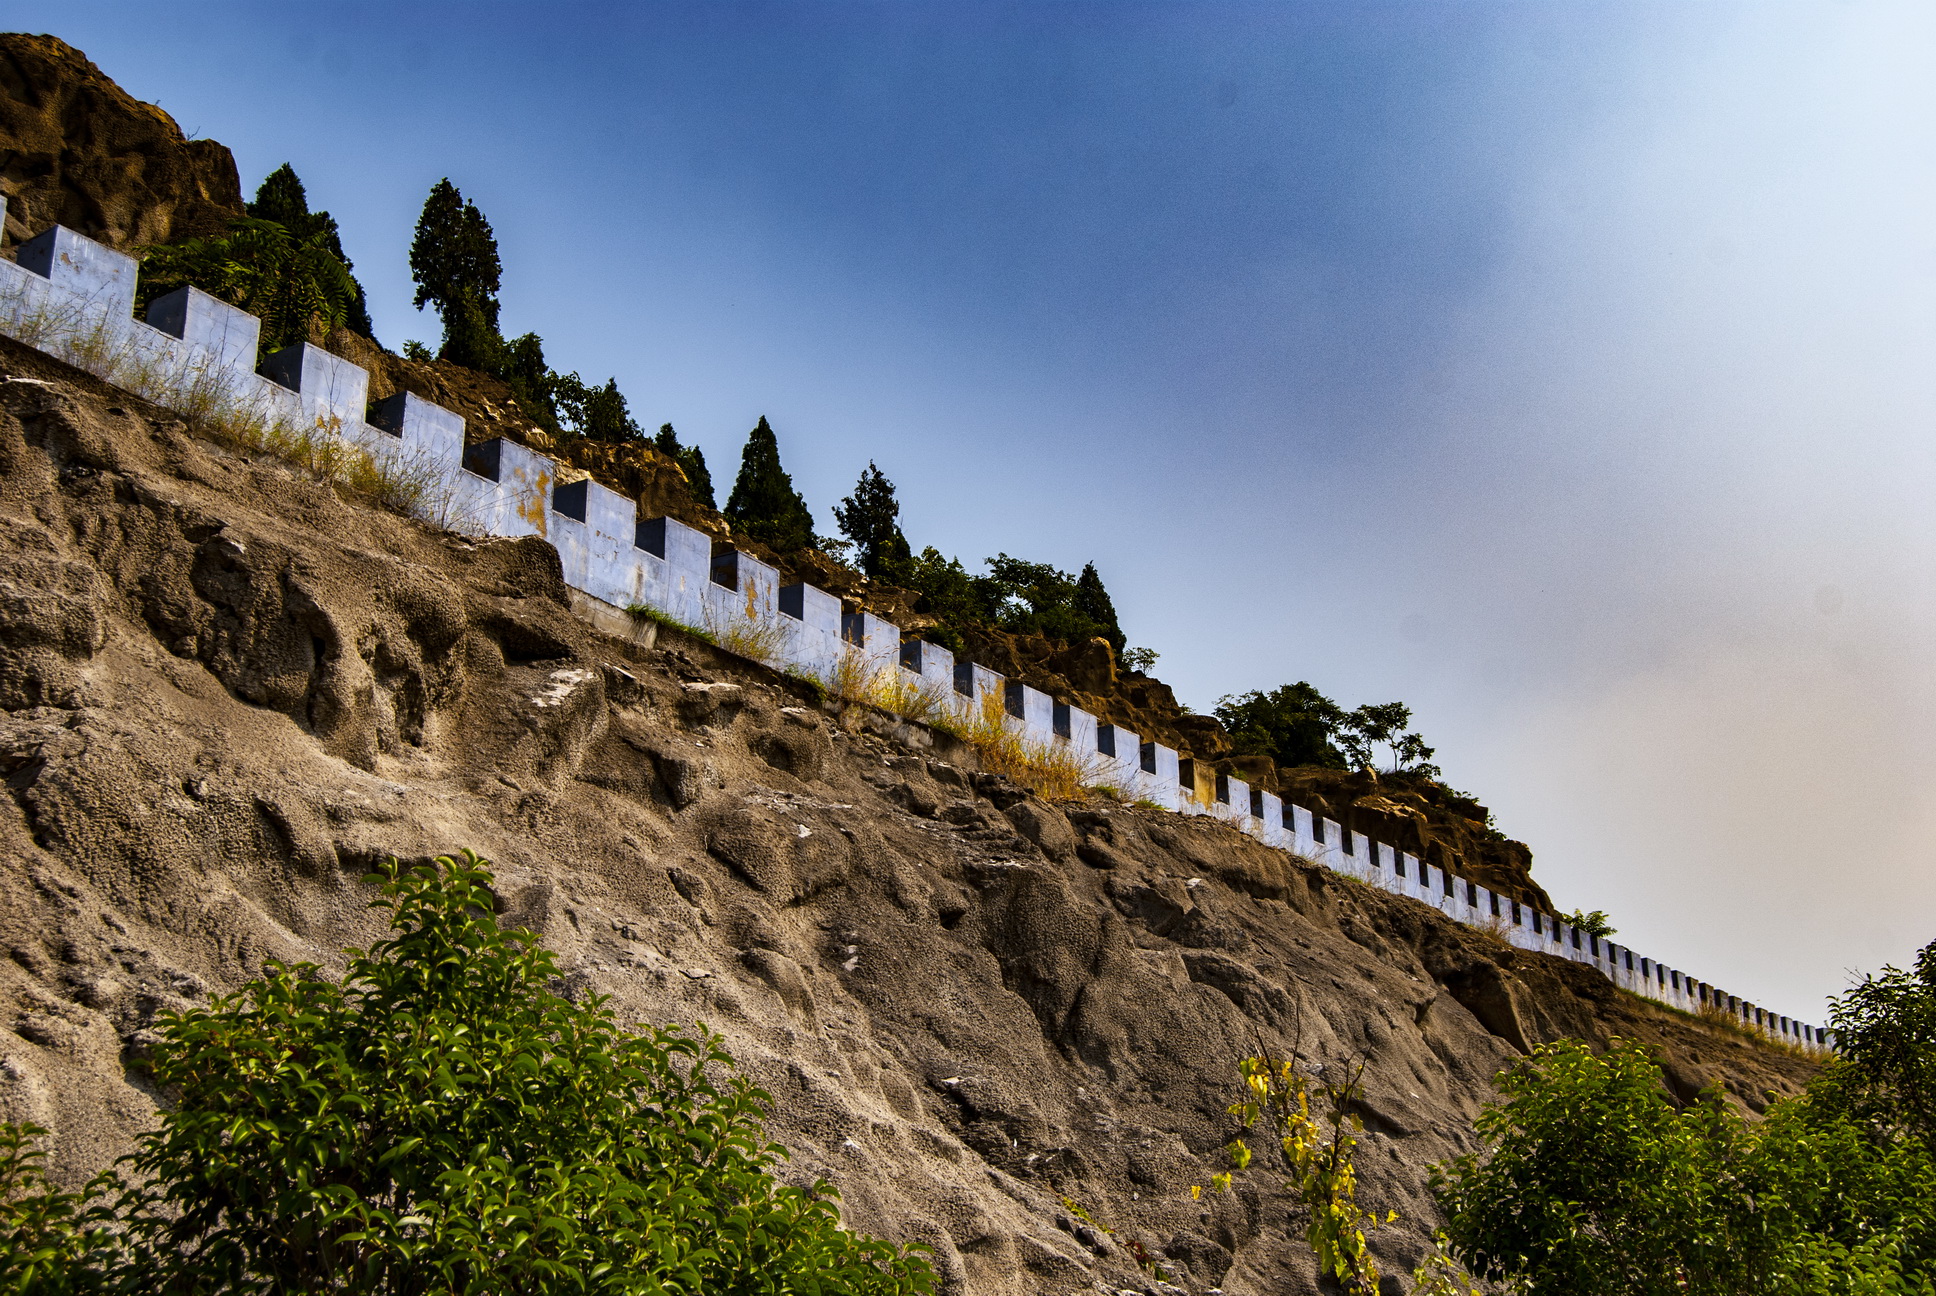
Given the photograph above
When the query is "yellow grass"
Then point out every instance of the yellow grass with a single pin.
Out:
(1053, 769)
(747, 632)
(204, 394)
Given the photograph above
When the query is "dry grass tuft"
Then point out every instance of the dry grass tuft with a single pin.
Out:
(1053, 769)
(205, 395)
(747, 632)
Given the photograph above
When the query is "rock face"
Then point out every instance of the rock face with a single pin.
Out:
(78, 150)
(227, 693)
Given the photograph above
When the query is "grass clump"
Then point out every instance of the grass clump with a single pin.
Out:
(747, 631)
(1054, 769)
(643, 613)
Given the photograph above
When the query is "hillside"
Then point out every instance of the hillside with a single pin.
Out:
(77, 149)
(226, 691)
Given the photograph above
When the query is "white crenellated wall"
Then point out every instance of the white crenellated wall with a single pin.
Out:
(74, 298)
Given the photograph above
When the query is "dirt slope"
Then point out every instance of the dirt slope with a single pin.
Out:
(224, 692)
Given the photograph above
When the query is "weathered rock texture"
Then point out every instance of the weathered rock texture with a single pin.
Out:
(78, 150)
(224, 693)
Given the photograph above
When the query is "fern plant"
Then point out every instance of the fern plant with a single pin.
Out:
(294, 284)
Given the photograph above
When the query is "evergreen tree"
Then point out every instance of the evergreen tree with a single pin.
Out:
(1092, 603)
(870, 517)
(764, 505)
(594, 413)
(532, 381)
(691, 461)
(280, 198)
(454, 260)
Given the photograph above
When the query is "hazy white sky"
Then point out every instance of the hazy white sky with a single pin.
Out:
(1563, 370)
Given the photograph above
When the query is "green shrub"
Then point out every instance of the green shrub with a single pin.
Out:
(288, 279)
(1594, 1182)
(443, 1121)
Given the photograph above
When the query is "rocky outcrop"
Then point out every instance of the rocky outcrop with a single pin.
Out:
(78, 150)
(228, 692)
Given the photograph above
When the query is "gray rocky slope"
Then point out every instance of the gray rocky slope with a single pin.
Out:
(225, 692)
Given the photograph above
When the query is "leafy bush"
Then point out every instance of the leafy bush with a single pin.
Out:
(1593, 924)
(289, 281)
(1885, 1036)
(442, 1121)
(52, 1243)
(1594, 1182)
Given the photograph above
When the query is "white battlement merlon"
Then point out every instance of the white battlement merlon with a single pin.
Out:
(810, 620)
(565, 528)
(428, 433)
(94, 276)
(687, 555)
(932, 664)
(1078, 728)
(229, 335)
(743, 590)
(876, 639)
(333, 390)
(1120, 750)
(1032, 709)
(1156, 778)
(1268, 809)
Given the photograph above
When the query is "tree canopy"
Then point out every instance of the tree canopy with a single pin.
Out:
(281, 198)
(1594, 1183)
(691, 461)
(597, 413)
(1295, 725)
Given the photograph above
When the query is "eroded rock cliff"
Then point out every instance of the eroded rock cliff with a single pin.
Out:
(225, 692)
(78, 150)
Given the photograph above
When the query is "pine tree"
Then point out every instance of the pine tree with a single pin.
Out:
(280, 198)
(1092, 603)
(764, 506)
(691, 460)
(870, 517)
(454, 260)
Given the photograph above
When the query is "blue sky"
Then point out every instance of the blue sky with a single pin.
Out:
(1563, 370)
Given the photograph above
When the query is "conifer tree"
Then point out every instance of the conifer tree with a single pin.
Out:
(691, 460)
(454, 260)
(870, 517)
(280, 198)
(532, 381)
(764, 505)
(1093, 604)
